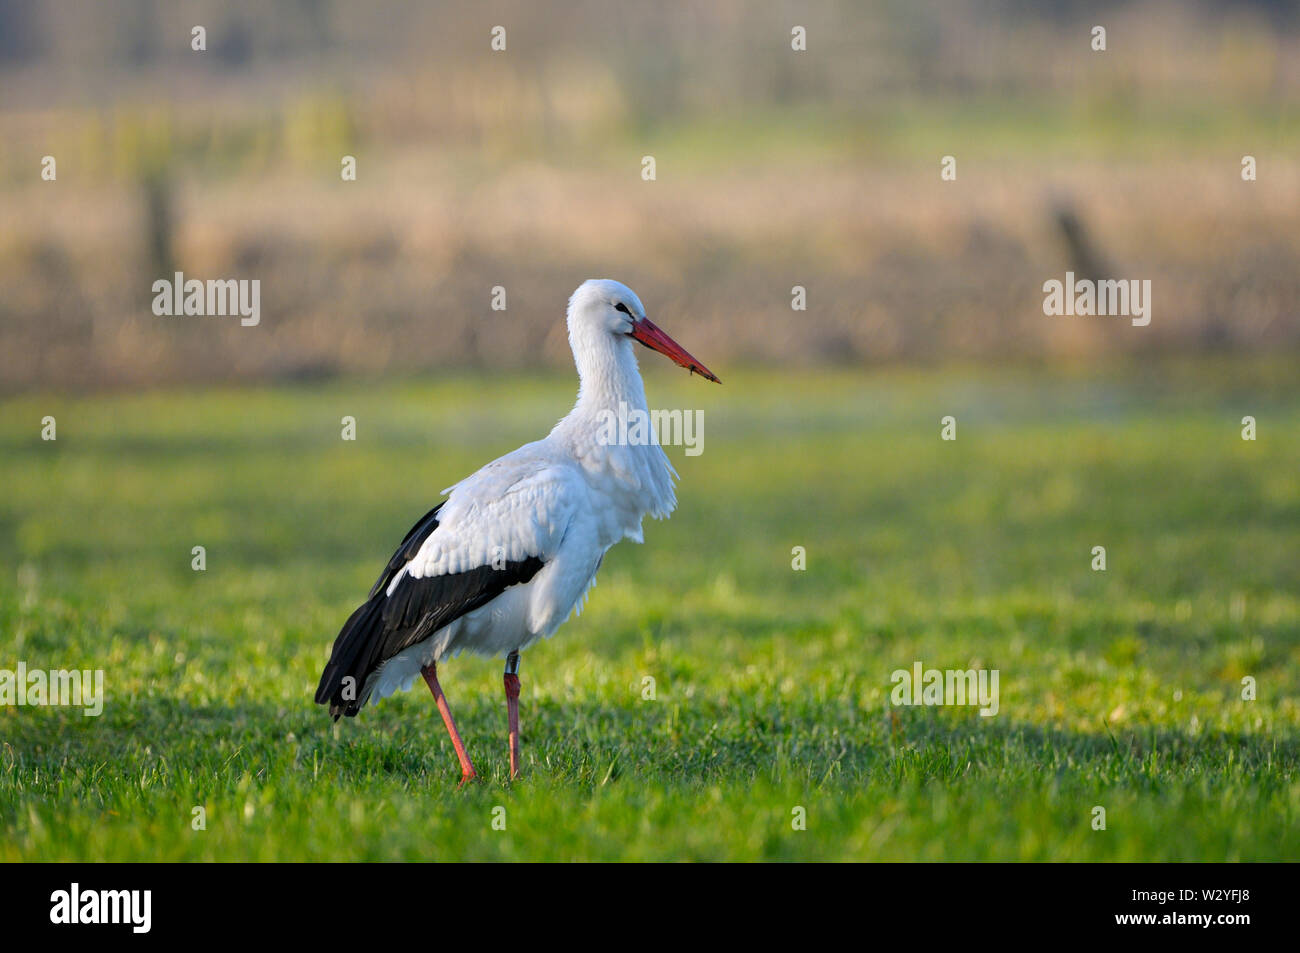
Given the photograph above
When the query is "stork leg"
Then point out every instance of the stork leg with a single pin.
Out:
(511, 680)
(430, 673)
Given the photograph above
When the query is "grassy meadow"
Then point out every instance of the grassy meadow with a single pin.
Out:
(1119, 689)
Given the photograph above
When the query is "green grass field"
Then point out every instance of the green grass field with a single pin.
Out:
(1119, 689)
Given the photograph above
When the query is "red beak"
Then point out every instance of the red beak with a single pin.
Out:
(650, 335)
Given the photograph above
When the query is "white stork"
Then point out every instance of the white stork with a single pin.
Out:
(513, 549)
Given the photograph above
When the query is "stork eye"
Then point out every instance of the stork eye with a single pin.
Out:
(622, 307)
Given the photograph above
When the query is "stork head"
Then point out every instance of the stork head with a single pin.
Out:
(602, 306)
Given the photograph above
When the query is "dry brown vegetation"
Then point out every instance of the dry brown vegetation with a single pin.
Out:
(522, 170)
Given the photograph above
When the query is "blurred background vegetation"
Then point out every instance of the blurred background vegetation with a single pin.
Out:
(522, 169)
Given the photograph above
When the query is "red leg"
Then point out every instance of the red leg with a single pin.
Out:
(512, 709)
(430, 673)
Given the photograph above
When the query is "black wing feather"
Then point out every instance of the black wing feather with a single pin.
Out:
(385, 625)
(411, 544)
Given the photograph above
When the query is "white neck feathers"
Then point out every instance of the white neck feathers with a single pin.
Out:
(610, 384)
